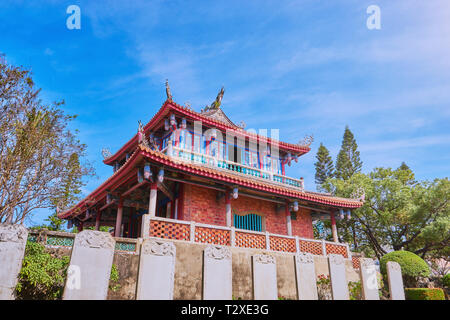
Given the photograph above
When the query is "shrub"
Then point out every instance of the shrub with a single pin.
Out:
(424, 294)
(446, 280)
(42, 275)
(413, 267)
(355, 291)
(324, 287)
(114, 279)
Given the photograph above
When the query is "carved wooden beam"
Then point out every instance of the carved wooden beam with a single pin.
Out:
(136, 186)
(165, 190)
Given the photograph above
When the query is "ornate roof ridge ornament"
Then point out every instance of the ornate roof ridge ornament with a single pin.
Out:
(142, 140)
(106, 153)
(217, 103)
(168, 93)
(307, 140)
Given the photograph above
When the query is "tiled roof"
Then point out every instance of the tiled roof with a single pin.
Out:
(170, 105)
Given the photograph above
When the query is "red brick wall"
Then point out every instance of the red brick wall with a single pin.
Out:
(201, 205)
(302, 226)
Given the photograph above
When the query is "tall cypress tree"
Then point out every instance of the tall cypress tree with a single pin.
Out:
(348, 161)
(324, 166)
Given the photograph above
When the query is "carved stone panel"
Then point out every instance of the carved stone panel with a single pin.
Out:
(218, 252)
(217, 273)
(369, 281)
(395, 280)
(264, 277)
(158, 248)
(95, 239)
(339, 286)
(156, 270)
(306, 276)
(13, 239)
(90, 266)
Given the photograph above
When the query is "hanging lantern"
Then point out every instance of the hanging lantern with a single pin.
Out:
(147, 171)
(349, 214)
(183, 123)
(289, 157)
(161, 175)
(70, 224)
(295, 206)
(108, 198)
(173, 122)
(88, 214)
(341, 213)
(235, 193)
(166, 124)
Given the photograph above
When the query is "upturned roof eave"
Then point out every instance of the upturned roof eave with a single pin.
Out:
(167, 105)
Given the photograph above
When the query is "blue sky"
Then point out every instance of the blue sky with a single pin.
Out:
(305, 67)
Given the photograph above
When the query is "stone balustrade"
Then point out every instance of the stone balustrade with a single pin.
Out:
(229, 236)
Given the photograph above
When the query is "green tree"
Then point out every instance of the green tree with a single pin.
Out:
(399, 213)
(324, 166)
(348, 161)
(39, 155)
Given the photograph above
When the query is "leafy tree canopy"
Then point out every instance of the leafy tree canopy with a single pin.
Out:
(40, 163)
(399, 213)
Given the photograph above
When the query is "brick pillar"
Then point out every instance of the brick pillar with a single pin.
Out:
(228, 207)
(333, 227)
(118, 228)
(288, 219)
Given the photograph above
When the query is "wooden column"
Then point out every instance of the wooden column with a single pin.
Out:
(118, 228)
(333, 227)
(145, 227)
(288, 219)
(97, 220)
(228, 207)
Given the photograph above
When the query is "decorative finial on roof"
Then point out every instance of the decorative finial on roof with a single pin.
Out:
(216, 104)
(307, 140)
(142, 139)
(187, 104)
(141, 135)
(242, 125)
(106, 153)
(169, 95)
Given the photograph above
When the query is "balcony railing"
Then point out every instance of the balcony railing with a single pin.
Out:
(229, 236)
(222, 164)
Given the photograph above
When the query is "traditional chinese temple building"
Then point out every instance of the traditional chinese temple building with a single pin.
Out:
(197, 176)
